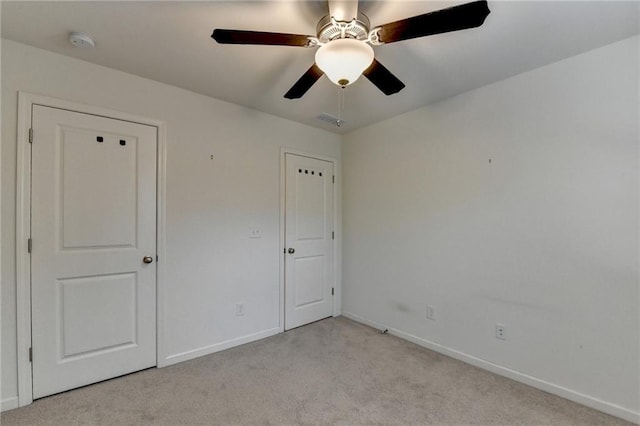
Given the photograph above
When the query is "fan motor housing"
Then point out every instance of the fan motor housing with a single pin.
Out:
(329, 29)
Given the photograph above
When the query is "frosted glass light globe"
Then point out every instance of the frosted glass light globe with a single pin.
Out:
(344, 60)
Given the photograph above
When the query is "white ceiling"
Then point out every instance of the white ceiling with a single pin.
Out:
(170, 42)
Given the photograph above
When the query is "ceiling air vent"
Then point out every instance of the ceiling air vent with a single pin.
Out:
(328, 118)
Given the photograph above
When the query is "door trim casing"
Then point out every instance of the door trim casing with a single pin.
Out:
(337, 225)
(26, 101)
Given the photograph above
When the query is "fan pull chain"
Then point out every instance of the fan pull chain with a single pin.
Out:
(340, 106)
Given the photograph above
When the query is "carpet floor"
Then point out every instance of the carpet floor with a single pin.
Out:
(334, 371)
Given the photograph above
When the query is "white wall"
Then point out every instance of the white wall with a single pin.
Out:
(211, 263)
(514, 203)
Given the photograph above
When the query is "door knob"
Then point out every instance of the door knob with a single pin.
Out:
(147, 259)
(292, 250)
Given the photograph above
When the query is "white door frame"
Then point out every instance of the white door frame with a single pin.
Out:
(337, 224)
(26, 101)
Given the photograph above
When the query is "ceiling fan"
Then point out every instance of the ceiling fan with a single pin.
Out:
(344, 38)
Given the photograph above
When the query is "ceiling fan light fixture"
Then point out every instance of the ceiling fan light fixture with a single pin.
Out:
(344, 60)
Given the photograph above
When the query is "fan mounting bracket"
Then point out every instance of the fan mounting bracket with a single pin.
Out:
(312, 42)
(374, 37)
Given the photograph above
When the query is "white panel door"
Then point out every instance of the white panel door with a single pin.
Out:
(308, 240)
(93, 214)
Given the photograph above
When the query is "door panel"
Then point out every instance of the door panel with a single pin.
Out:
(309, 273)
(309, 212)
(308, 232)
(93, 214)
(86, 210)
(87, 304)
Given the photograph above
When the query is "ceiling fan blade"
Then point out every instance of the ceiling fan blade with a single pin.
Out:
(305, 82)
(343, 10)
(382, 78)
(469, 15)
(258, 37)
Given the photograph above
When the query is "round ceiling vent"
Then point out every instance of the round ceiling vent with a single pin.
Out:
(81, 40)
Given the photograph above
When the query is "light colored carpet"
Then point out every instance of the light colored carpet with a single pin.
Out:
(334, 371)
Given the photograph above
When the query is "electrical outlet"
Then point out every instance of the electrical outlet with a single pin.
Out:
(255, 233)
(431, 312)
(501, 332)
(239, 309)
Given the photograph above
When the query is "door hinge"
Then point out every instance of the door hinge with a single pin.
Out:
(31, 135)
(332, 291)
(333, 179)
(30, 354)
(157, 258)
(29, 245)
(333, 235)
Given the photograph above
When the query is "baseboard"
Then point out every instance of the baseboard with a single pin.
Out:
(9, 403)
(580, 398)
(207, 350)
